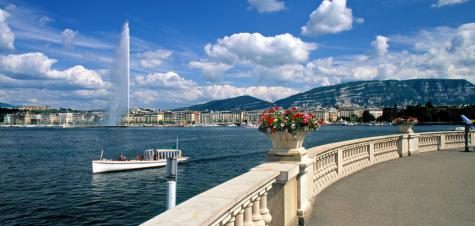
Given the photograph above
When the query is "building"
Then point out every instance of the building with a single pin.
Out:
(65, 119)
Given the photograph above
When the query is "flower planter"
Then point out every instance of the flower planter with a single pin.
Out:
(406, 128)
(287, 144)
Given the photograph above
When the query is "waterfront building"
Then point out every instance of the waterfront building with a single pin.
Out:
(65, 118)
(8, 119)
(348, 112)
(35, 119)
(49, 119)
(22, 118)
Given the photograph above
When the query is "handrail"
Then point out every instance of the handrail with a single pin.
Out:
(290, 185)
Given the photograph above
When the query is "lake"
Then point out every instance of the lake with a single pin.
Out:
(45, 173)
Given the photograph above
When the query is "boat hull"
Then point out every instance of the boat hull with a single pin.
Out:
(102, 166)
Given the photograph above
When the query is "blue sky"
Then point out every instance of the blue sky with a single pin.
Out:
(60, 53)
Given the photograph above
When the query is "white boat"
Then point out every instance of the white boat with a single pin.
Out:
(152, 158)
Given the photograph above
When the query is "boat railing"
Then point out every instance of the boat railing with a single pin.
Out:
(157, 154)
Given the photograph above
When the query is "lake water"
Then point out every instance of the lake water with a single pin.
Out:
(46, 179)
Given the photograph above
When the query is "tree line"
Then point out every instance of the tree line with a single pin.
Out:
(429, 113)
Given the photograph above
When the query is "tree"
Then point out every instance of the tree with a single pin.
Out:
(367, 117)
(429, 104)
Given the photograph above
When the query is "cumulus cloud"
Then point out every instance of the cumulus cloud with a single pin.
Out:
(441, 3)
(330, 17)
(68, 37)
(37, 66)
(256, 48)
(211, 70)
(168, 80)
(381, 45)
(437, 53)
(170, 87)
(153, 59)
(266, 6)
(6, 35)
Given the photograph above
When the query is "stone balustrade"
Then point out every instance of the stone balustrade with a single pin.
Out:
(282, 192)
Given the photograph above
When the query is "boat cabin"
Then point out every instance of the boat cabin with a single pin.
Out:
(158, 154)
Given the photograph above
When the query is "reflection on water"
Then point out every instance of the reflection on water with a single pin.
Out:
(46, 173)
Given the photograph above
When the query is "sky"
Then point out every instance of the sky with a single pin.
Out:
(60, 53)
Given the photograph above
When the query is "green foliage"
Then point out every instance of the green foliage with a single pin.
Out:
(430, 114)
(367, 117)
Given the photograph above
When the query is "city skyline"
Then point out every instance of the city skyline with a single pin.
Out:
(60, 53)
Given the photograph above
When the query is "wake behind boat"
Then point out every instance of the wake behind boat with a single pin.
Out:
(151, 159)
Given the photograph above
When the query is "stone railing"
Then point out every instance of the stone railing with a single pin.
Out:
(283, 192)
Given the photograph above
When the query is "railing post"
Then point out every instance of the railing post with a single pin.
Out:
(339, 161)
(413, 142)
(403, 146)
(442, 142)
(371, 151)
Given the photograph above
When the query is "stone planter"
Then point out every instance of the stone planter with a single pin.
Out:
(287, 146)
(406, 128)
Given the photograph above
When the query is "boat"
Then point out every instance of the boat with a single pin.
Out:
(152, 158)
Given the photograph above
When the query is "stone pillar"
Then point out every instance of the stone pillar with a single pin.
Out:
(339, 161)
(371, 151)
(413, 144)
(442, 142)
(230, 222)
(472, 139)
(304, 194)
(403, 145)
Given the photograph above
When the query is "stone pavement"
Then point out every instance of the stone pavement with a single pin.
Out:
(436, 188)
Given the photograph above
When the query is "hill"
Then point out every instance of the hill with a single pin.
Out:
(5, 105)
(386, 93)
(241, 103)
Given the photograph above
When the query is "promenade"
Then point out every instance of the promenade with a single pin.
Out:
(434, 188)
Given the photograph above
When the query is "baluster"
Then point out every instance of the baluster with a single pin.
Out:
(230, 222)
(264, 210)
(256, 213)
(248, 215)
(239, 218)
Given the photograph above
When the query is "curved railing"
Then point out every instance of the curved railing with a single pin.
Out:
(282, 193)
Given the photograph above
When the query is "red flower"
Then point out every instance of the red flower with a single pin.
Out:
(294, 108)
(269, 120)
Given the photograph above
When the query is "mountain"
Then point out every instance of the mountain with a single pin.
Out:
(4, 105)
(386, 93)
(237, 103)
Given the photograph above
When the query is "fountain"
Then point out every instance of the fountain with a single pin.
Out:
(120, 74)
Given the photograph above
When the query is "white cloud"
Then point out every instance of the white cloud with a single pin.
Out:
(381, 45)
(153, 59)
(37, 66)
(44, 20)
(441, 3)
(6, 35)
(172, 88)
(255, 48)
(437, 53)
(266, 6)
(211, 70)
(168, 80)
(330, 17)
(68, 37)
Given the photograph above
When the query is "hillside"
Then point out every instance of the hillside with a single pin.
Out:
(240, 103)
(386, 93)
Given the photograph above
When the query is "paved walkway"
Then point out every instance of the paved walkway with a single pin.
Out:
(436, 188)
